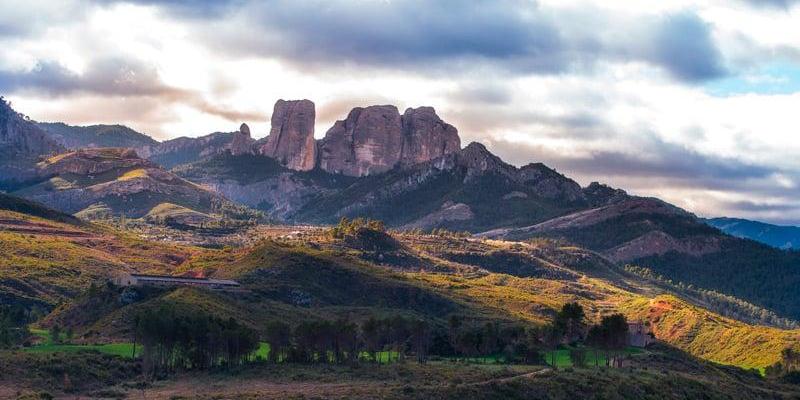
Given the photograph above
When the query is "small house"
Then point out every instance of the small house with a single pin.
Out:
(639, 334)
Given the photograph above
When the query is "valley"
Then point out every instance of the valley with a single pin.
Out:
(470, 275)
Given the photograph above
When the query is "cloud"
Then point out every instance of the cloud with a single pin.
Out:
(443, 37)
(106, 76)
(190, 8)
(111, 77)
(683, 45)
(654, 159)
(784, 4)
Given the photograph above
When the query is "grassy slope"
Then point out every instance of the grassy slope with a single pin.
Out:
(710, 336)
(47, 262)
(293, 282)
(751, 271)
(23, 206)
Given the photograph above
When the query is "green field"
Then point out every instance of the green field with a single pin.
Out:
(563, 360)
(124, 350)
(562, 357)
(384, 357)
(118, 349)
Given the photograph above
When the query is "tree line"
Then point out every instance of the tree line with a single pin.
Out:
(13, 326)
(172, 340)
(726, 305)
(343, 341)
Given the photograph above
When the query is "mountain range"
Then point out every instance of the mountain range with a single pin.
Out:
(780, 236)
(408, 170)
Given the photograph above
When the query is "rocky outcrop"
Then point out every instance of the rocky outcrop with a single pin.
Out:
(376, 139)
(369, 141)
(426, 136)
(550, 184)
(291, 139)
(242, 143)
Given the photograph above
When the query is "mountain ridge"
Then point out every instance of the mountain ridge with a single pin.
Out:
(780, 236)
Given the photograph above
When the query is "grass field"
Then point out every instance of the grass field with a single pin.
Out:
(563, 360)
(124, 350)
(562, 357)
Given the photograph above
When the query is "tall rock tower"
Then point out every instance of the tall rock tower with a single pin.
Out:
(291, 139)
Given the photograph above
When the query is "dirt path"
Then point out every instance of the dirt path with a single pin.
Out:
(528, 375)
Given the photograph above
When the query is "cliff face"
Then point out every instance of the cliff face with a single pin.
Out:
(426, 136)
(291, 139)
(369, 141)
(376, 139)
(242, 143)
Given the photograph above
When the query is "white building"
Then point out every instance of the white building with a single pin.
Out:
(168, 281)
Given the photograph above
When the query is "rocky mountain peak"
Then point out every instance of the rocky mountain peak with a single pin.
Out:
(426, 136)
(477, 157)
(242, 143)
(244, 129)
(550, 184)
(291, 139)
(376, 139)
(599, 194)
(369, 141)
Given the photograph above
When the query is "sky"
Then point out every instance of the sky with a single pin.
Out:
(695, 102)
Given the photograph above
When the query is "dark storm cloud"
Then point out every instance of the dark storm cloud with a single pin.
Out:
(442, 37)
(454, 37)
(683, 45)
(410, 32)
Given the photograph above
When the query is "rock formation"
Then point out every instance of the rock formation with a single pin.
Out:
(426, 136)
(242, 143)
(291, 139)
(369, 141)
(376, 139)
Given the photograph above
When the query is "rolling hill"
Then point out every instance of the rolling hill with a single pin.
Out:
(679, 246)
(114, 181)
(77, 137)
